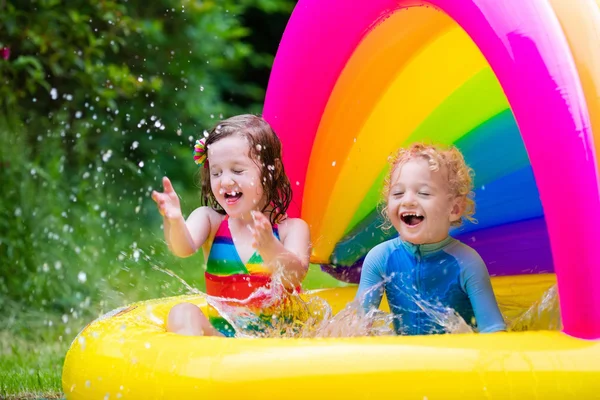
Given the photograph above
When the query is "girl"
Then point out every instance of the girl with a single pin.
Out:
(242, 226)
(427, 191)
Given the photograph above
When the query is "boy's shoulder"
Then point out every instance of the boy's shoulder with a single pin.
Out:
(384, 248)
(465, 253)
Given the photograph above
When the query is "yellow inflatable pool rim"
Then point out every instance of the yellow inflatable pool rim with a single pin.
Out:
(128, 354)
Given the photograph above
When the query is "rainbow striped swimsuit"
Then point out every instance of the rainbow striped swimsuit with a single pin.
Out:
(228, 277)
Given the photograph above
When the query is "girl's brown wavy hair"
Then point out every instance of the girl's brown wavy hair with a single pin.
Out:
(265, 150)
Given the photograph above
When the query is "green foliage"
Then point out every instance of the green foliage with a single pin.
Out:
(100, 99)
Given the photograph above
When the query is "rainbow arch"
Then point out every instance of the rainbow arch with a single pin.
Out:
(516, 86)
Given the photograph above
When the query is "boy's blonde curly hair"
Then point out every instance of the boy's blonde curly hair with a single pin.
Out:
(460, 175)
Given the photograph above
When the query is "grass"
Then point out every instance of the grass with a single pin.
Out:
(30, 369)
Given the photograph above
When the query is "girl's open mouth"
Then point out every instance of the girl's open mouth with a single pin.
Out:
(232, 197)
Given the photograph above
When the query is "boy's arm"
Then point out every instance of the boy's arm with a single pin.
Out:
(478, 286)
(371, 287)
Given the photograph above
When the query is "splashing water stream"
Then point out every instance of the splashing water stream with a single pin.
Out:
(307, 315)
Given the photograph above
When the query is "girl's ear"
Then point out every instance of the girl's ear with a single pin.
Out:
(458, 207)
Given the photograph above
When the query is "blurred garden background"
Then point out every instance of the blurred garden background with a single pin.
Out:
(98, 100)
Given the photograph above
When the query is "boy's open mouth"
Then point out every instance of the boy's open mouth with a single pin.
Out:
(232, 197)
(411, 218)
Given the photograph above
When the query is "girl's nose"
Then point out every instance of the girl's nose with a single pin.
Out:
(228, 180)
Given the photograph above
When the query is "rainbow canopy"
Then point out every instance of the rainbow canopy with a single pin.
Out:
(515, 85)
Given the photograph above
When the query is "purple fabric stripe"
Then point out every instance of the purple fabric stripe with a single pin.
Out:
(518, 248)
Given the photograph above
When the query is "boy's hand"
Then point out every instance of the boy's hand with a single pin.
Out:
(168, 201)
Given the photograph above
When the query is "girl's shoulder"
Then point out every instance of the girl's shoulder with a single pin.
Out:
(292, 226)
(204, 214)
(208, 212)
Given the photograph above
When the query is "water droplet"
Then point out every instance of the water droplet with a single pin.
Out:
(82, 277)
(140, 79)
(106, 156)
(53, 94)
(88, 384)
(333, 164)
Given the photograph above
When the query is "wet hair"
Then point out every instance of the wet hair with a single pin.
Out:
(265, 151)
(460, 175)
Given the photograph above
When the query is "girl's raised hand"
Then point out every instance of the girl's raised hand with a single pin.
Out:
(262, 232)
(167, 201)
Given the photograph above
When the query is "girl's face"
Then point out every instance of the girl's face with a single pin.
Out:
(235, 179)
(419, 203)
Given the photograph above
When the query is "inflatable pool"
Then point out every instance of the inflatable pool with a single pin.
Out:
(516, 86)
(128, 354)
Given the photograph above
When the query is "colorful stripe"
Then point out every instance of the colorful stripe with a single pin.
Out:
(392, 72)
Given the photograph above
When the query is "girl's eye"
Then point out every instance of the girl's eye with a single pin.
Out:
(424, 194)
(237, 172)
(396, 194)
(216, 174)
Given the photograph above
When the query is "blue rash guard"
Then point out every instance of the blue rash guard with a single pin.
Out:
(444, 274)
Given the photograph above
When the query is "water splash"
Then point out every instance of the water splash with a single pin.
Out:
(544, 314)
(292, 314)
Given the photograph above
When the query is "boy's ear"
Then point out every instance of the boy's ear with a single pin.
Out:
(458, 207)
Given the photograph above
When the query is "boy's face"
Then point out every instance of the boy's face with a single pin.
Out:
(419, 203)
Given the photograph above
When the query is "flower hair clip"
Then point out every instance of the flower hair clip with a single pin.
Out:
(200, 152)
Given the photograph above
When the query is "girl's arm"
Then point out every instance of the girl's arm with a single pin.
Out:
(292, 253)
(184, 238)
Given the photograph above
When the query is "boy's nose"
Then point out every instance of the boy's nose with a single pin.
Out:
(408, 199)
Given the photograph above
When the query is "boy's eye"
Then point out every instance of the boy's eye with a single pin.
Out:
(397, 194)
(424, 194)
